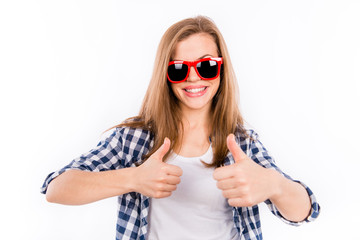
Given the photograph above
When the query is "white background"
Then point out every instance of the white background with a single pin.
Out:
(71, 69)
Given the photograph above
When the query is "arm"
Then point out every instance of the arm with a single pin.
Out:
(247, 183)
(290, 198)
(153, 178)
(75, 187)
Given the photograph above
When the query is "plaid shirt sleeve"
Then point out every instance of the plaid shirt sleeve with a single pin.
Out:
(260, 155)
(105, 156)
(122, 149)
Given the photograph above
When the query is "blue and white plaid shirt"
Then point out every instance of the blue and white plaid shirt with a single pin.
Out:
(126, 146)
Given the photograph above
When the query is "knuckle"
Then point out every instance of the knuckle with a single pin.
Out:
(178, 180)
(158, 194)
(159, 186)
(225, 194)
(232, 202)
(248, 201)
(163, 168)
(240, 181)
(245, 190)
(215, 174)
(162, 178)
(237, 167)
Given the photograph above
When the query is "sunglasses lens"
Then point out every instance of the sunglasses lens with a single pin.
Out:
(177, 72)
(208, 69)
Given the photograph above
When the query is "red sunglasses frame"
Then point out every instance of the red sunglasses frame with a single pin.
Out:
(218, 60)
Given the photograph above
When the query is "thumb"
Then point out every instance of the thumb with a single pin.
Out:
(162, 150)
(235, 149)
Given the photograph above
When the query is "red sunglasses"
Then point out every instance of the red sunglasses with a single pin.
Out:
(206, 69)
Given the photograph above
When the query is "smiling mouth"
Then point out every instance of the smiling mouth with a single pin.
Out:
(195, 90)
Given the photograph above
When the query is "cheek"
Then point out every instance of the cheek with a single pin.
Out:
(175, 89)
(216, 86)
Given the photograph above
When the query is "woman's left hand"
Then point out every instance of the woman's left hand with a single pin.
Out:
(245, 183)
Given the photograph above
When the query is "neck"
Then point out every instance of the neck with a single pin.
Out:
(196, 118)
(194, 139)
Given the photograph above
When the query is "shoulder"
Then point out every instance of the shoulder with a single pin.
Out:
(248, 139)
(252, 146)
(134, 141)
(243, 134)
(131, 132)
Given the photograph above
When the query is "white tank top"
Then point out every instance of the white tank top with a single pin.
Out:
(196, 210)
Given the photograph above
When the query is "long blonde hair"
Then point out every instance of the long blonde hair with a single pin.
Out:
(160, 112)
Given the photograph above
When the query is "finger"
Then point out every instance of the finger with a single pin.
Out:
(173, 170)
(160, 153)
(162, 194)
(235, 202)
(225, 184)
(232, 193)
(223, 173)
(235, 149)
(170, 179)
(166, 187)
(240, 202)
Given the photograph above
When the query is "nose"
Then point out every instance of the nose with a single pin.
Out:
(193, 76)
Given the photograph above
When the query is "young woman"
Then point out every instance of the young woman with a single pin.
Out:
(185, 167)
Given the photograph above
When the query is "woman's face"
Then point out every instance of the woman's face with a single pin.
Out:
(195, 93)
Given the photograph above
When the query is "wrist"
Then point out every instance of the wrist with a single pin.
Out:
(277, 185)
(126, 179)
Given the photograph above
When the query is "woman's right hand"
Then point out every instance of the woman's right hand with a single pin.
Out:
(155, 178)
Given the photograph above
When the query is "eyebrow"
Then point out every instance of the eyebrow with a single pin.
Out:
(205, 56)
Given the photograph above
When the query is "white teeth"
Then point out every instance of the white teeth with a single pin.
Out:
(195, 90)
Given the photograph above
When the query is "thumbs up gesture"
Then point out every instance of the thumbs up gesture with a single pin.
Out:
(157, 179)
(244, 183)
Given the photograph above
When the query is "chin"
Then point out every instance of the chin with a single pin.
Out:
(196, 106)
